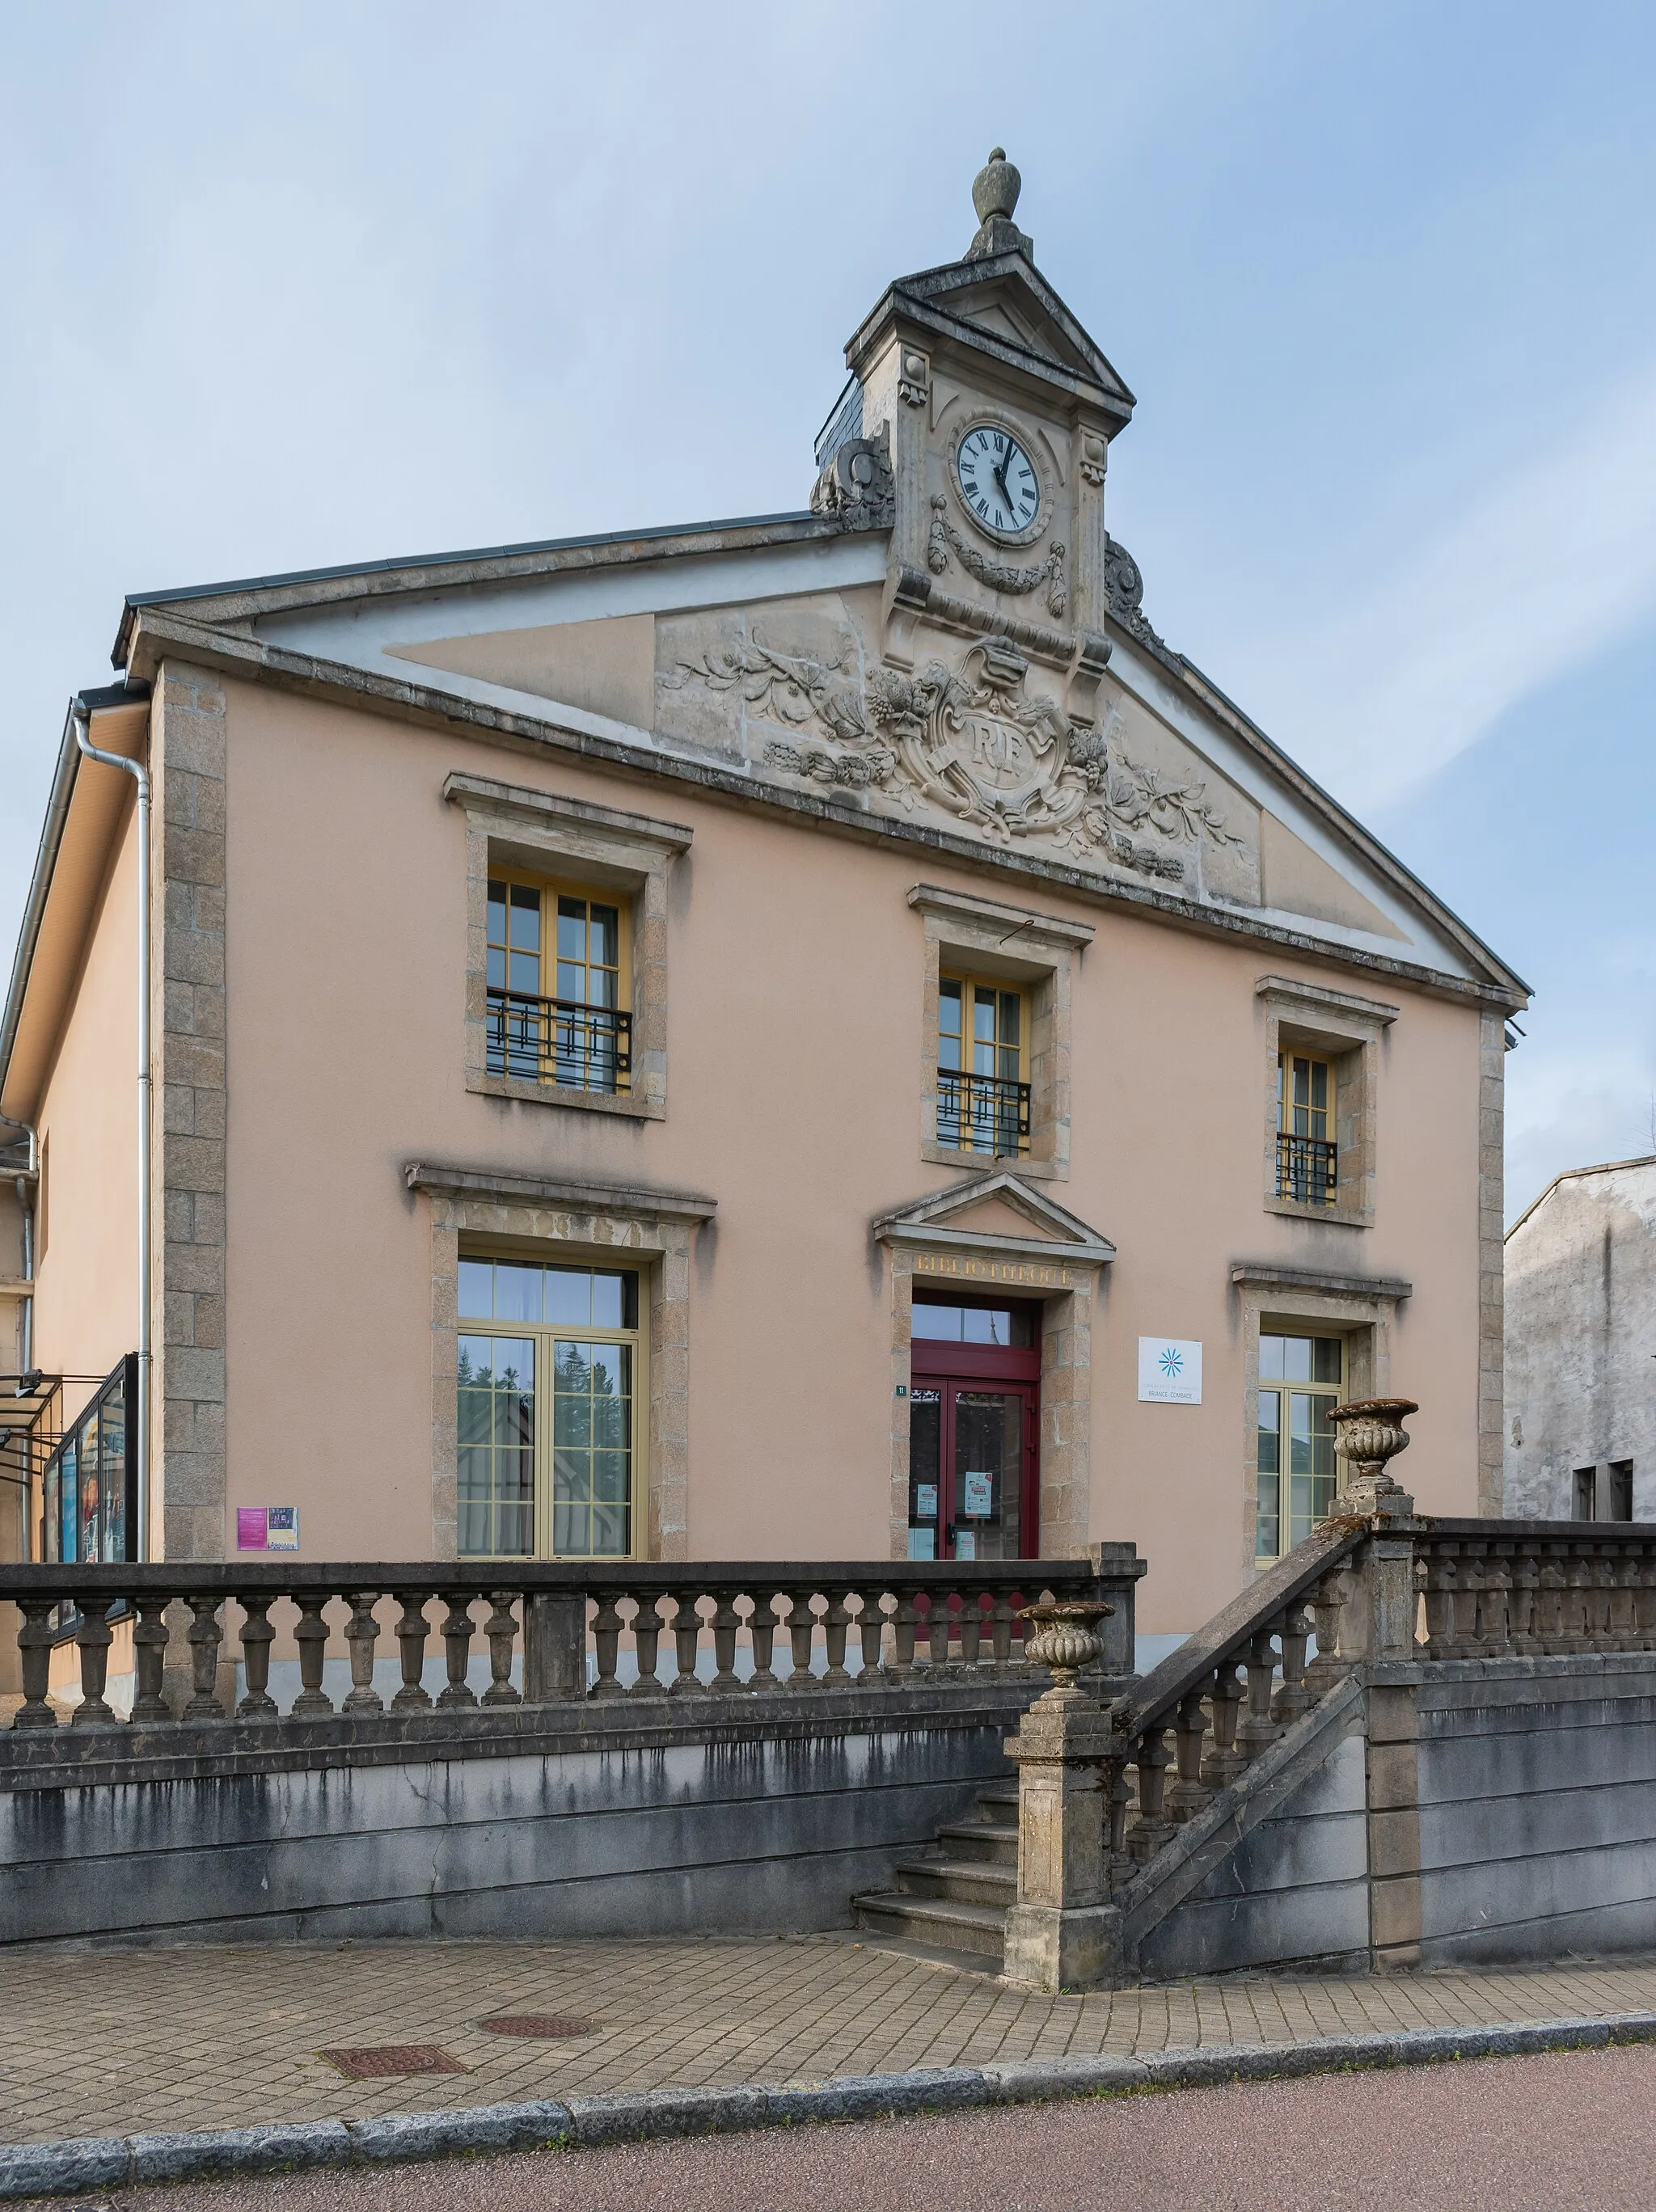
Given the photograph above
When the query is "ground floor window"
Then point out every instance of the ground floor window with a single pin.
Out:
(1300, 1377)
(973, 1452)
(550, 1360)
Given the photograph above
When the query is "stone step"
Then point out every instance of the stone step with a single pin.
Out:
(1001, 1803)
(964, 1881)
(981, 1839)
(939, 1922)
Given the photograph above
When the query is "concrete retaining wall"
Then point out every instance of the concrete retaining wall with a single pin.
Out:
(1537, 1809)
(608, 1825)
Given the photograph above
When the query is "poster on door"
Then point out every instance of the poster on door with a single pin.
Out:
(1170, 1370)
(978, 1503)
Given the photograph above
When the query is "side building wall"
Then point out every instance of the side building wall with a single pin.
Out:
(1581, 1386)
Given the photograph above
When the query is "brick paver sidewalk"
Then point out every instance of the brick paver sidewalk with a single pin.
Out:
(114, 2042)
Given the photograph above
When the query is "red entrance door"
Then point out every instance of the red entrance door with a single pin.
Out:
(973, 1439)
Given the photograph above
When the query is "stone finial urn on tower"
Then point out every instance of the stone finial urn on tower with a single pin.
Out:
(1369, 1432)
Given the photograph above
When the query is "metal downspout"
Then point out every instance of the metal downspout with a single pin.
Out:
(82, 717)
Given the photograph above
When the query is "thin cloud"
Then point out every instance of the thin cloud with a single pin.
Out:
(1552, 565)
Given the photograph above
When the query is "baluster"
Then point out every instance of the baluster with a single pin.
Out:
(458, 1629)
(1551, 1586)
(94, 1636)
(1327, 1604)
(1293, 1699)
(762, 1635)
(1602, 1599)
(726, 1682)
(1153, 1828)
(1190, 1793)
(34, 1649)
(971, 1627)
(1258, 1731)
(1439, 1603)
(501, 1629)
(802, 1630)
(905, 1619)
(871, 1636)
(1647, 1606)
(1001, 1629)
(205, 1636)
(835, 1621)
(1577, 1600)
(1624, 1604)
(312, 1636)
(412, 1628)
(687, 1640)
(362, 1641)
(257, 1637)
(1494, 1606)
(1469, 1581)
(606, 1647)
(1224, 1762)
(646, 1641)
(1118, 1796)
(150, 1657)
(1522, 1629)
(938, 1624)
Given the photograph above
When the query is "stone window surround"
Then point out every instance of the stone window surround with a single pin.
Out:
(1299, 1300)
(1071, 1264)
(652, 1230)
(511, 825)
(961, 928)
(1347, 1032)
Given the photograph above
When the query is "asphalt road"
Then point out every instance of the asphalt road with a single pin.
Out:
(1566, 2132)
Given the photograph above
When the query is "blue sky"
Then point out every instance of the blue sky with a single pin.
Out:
(296, 284)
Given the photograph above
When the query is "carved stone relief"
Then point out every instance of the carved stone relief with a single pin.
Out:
(997, 575)
(977, 739)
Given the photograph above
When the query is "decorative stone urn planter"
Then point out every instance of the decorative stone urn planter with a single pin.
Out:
(1064, 1641)
(1368, 1433)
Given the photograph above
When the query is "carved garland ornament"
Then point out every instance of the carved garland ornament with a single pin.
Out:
(996, 575)
(976, 743)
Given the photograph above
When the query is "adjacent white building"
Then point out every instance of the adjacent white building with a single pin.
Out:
(1581, 1348)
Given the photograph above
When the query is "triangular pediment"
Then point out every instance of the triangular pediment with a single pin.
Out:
(995, 1213)
(1004, 299)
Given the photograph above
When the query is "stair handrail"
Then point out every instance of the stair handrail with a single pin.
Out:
(1232, 1629)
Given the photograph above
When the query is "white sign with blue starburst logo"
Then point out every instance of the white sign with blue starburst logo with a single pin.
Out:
(1170, 1370)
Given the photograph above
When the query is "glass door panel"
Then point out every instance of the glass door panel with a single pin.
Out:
(925, 1471)
(988, 1470)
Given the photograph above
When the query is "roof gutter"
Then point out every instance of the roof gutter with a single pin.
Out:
(92, 702)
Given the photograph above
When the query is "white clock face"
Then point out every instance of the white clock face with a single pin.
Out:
(998, 480)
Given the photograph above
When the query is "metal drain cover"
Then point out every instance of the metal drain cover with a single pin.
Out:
(374, 2061)
(537, 2026)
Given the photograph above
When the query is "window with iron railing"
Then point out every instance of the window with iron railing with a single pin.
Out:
(578, 1033)
(983, 1100)
(1307, 1158)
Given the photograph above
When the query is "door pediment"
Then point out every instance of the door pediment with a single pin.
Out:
(996, 1217)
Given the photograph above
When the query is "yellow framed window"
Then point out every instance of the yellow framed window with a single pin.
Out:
(550, 1371)
(1306, 1157)
(1299, 1378)
(557, 978)
(983, 1094)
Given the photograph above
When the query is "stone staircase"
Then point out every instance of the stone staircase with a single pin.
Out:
(954, 1897)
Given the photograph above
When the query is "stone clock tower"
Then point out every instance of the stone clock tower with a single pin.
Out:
(982, 442)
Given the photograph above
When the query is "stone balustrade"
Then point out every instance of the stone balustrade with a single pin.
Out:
(1520, 1590)
(581, 1630)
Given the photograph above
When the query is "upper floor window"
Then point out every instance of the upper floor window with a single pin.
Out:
(1307, 1158)
(983, 1094)
(1300, 1377)
(557, 984)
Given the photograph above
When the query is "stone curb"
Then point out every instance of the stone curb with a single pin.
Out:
(72, 2167)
